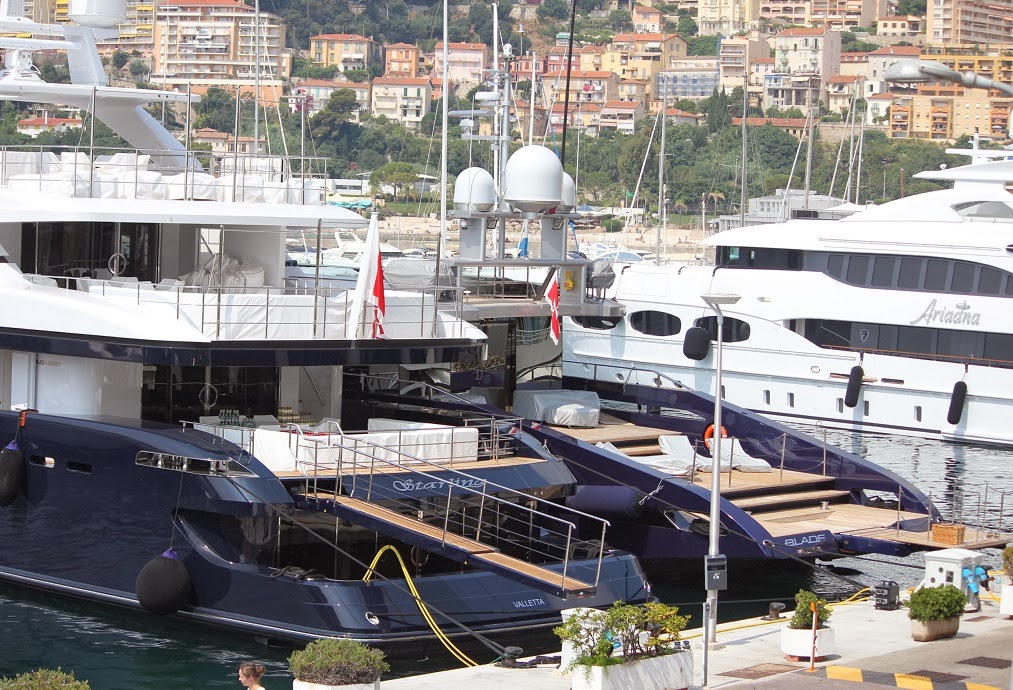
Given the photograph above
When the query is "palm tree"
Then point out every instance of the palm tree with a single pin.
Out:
(680, 207)
(716, 197)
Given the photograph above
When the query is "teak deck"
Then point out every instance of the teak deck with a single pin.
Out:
(479, 552)
(612, 432)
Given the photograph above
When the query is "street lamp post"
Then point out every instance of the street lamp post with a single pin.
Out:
(714, 564)
(929, 72)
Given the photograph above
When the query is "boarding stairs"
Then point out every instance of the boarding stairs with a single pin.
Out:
(358, 481)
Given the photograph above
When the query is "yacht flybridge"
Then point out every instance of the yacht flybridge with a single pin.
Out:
(176, 404)
(894, 319)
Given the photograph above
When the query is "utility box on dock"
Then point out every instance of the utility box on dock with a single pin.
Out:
(886, 595)
(945, 567)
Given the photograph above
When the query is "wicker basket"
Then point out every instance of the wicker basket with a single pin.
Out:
(949, 534)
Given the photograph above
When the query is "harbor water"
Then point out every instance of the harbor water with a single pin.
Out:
(121, 650)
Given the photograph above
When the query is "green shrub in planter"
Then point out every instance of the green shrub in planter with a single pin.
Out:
(594, 633)
(802, 619)
(936, 603)
(44, 679)
(331, 661)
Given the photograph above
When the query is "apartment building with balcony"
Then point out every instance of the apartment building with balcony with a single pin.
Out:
(555, 61)
(843, 91)
(797, 12)
(316, 92)
(845, 14)
(726, 17)
(633, 90)
(880, 60)
(808, 51)
(466, 66)
(136, 31)
(695, 78)
(402, 99)
(591, 58)
(900, 26)
(643, 56)
(735, 55)
(402, 60)
(345, 51)
(963, 22)
(585, 87)
(621, 116)
(199, 44)
(943, 113)
(582, 118)
(520, 68)
(994, 62)
(647, 20)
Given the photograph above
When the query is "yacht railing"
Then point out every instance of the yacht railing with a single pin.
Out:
(107, 172)
(267, 313)
(405, 482)
(526, 278)
(545, 536)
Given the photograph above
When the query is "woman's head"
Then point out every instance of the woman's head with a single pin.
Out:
(250, 673)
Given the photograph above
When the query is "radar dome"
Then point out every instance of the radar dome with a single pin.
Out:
(569, 198)
(98, 14)
(474, 190)
(534, 180)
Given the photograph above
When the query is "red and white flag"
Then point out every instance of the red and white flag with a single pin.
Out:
(552, 297)
(378, 299)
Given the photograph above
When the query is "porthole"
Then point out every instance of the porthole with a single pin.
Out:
(659, 323)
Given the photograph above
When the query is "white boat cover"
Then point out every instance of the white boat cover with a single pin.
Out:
(562, 408)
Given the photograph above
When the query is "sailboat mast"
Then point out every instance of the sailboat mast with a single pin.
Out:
(443, 138)
(256, 79)
(661, 175)
(745, 112)
(811, 122)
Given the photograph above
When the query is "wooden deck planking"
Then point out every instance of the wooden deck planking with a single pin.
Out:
(531, 570)
(754, 502)
(612, 433)
(983, 539)
(839, 518)
(751, 481)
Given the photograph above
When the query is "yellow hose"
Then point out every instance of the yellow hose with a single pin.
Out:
(440, 635)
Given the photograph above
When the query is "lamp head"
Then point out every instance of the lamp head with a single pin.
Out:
(920, 72)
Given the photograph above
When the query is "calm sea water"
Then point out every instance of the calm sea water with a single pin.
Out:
(120, 650)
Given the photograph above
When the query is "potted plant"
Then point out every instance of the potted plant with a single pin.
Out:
(626, 646)
(797, 638)
(43, 679)
(935, 612)
(337, 663)
(1006, 593)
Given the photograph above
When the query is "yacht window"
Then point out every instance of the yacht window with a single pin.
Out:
(910, 274)
(882, 271)
(733, 330)
(916, 340)
(598, 323)
(958, 343)
(999, 346)
(835, 265)
(990, 281)
(655, 323)
(984, 209)
(858, 269)
(963, 277)
(935, 275)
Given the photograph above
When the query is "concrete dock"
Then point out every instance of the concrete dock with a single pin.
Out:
(874, 647)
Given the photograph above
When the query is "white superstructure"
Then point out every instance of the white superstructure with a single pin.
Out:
(899, 302)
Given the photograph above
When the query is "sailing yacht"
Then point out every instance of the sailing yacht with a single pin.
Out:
(893, 319)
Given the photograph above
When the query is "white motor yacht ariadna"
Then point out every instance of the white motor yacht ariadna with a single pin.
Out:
(895, 319)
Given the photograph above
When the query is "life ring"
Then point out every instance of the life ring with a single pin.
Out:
(708, 434)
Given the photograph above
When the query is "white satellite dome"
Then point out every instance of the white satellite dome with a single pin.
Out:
(474, 190)
(98, 14)
(569, 198)
(534, 180)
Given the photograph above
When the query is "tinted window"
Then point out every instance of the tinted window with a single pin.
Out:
(734, 330)
(990, 281)
(882, 271)
(963, 277)
(958, 343)
(999, 346)
(910, 277)
(835, 266)
(599, 323)
(918, 340)
(655, 323)
(858, 269)
(935, 275)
